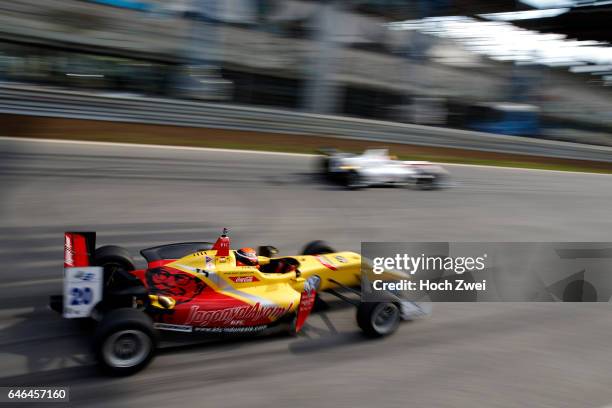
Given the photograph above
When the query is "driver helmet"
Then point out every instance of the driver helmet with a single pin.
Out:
(246, 256)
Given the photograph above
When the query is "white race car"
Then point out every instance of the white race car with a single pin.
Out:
(376, 167)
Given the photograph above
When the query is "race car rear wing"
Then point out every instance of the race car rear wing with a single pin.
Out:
(79, 248)
(83, 282)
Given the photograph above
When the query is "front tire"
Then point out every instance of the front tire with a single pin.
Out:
(378, 319)
(125, 342)
(425, 183)
(432, 182)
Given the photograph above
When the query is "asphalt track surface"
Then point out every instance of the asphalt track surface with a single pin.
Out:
(464, 355)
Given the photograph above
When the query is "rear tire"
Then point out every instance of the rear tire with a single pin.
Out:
(124, 342)
(378, 319)
(317, 248)
(113, 258)
(354, 181)
(113, 255)
(324, 165)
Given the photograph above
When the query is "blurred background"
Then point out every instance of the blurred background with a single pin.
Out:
(439, 80)
(537, 68)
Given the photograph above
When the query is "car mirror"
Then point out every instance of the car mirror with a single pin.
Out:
(267, 251)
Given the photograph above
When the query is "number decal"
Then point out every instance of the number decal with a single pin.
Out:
(80, 296)
(82, 290)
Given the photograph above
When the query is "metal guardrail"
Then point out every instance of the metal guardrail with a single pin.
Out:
(29, 100)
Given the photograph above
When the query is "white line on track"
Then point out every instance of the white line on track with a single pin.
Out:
(11, 313)
(59, 236)
(482, 166)
(18, 284)
(59, 248)
(39, 264)
(150, 146)
(261, 152)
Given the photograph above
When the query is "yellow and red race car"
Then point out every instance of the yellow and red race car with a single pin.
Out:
(203, 288)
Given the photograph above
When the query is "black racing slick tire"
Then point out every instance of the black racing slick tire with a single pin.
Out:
(354, 181)
(426, 184)
(113, 258)
(124, 342)
(434, 182)
(324, 165)
(113, 255)
(378, 319)
(317, 248)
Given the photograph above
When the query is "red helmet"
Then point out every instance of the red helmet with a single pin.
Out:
(246, 256)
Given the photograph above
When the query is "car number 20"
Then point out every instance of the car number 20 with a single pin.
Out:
(82, 290)
(81, 296)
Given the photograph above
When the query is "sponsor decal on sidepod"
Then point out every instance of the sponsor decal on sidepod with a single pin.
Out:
(256, 313)
(243, 279)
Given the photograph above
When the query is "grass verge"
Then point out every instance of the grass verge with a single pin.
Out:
(101, 131)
